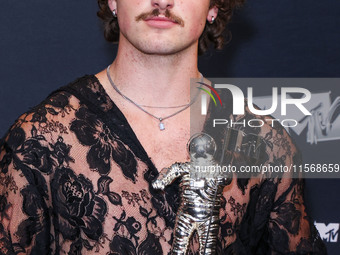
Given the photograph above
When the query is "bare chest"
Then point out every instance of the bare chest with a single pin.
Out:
(164, 147)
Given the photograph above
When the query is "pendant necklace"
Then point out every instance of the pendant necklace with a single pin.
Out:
(160, 119)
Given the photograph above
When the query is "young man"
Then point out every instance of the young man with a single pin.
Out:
(76, 171)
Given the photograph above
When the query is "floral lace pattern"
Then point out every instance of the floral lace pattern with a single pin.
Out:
(74, 179)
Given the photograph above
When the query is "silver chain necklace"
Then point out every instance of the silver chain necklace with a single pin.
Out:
(160, 119)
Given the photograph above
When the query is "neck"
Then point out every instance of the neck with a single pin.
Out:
(161, 80)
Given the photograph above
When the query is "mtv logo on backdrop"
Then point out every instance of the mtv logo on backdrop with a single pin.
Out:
(328, 233)
(322, 125)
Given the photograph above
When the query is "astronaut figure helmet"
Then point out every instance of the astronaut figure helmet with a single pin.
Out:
(201, 147)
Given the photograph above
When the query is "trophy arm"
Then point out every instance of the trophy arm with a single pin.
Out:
(169, 174)
(224, 181)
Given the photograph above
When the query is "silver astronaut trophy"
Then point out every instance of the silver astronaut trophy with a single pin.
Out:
(201, 192)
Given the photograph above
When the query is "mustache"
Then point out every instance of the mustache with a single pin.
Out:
(156, 12)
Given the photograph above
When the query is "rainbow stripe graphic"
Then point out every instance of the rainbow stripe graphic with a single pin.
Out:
(208, 92)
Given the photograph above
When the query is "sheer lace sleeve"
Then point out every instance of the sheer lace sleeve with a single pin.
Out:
(290, 231)
(24, 217)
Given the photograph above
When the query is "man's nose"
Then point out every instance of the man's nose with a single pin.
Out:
(162, 4)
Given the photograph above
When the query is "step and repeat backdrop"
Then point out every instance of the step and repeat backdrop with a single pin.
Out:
(45, 44)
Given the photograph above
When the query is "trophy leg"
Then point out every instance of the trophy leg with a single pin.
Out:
(184, 229)
(208, 245)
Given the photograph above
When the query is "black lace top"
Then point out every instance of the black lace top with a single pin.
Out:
(74, 179)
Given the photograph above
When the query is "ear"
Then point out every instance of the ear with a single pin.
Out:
(212, 13)
(112, 4)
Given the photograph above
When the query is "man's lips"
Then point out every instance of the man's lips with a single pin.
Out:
(160, 19)
(160, 22)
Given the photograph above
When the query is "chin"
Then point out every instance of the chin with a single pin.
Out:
(162, 49)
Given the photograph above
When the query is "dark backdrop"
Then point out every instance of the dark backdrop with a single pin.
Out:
(45, 44)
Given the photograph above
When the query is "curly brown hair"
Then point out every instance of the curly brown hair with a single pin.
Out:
(212, 34)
